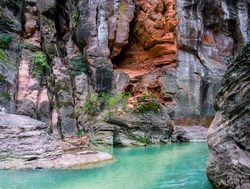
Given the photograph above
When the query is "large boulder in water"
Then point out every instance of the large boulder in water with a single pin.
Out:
(229, 135)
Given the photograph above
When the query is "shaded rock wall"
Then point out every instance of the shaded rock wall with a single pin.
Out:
(208, 32)
(10, 27)
(229, 135)
(77, 39)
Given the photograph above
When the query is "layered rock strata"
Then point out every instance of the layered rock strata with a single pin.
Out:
(26, 144)
(172, 49)
(133, 130)
(229, 135)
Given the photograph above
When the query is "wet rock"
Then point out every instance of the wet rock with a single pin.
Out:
(229, 135)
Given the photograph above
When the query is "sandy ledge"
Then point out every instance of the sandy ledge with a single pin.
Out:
(66, 161)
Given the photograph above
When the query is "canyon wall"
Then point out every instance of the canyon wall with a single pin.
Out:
(178, 51)
(229, 135)
(55, 53)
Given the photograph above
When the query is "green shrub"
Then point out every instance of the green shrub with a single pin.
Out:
(146, 103)
(244, 53)
(5, 39)
(3, 56)
(96, 103)
(5, 97)
(40, 63)
(92, 105)
(112, 102)
(2, 78)
(78, 65)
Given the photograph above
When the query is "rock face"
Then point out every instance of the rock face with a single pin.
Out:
(189, 134)
(208, 32)
(26, 144)
(133, 130)
(177, 51)
(26, 138)
(229, 135)
(54, 54)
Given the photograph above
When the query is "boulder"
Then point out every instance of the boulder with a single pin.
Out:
(142, 129)
(26, 144)
(189, 134)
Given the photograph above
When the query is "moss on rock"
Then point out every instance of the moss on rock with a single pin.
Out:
(5, 39)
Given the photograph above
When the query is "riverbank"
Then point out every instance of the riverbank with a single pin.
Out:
(26, 144)
(66, 161)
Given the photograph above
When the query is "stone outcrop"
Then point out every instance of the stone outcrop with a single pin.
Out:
(133, 130)
(189, 134)
(229, 135)
(26, 144)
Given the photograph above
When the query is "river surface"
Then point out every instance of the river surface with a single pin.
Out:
(171, 166)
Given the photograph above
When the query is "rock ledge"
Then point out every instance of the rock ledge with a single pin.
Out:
(26, 144)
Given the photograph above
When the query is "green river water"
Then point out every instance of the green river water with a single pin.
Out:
(171, 166)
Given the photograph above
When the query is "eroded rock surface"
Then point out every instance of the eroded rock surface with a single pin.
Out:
(172, 49)
(131, 129)
(26, 144)
(229, 135)
(189, 134)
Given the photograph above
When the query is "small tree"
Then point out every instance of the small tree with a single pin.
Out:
(5, 39)
(92, 105)
(113, 102)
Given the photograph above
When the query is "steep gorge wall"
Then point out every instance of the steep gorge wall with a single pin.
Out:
(228, 164)
(173, 49)
(178, 52)
(208, 32)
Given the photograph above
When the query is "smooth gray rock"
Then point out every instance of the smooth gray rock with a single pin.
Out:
(189, 134)
(120, 82)
(142, 129)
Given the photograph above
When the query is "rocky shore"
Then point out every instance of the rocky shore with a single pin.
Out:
(26, 144)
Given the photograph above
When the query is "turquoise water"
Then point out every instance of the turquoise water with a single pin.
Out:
(171, 166)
